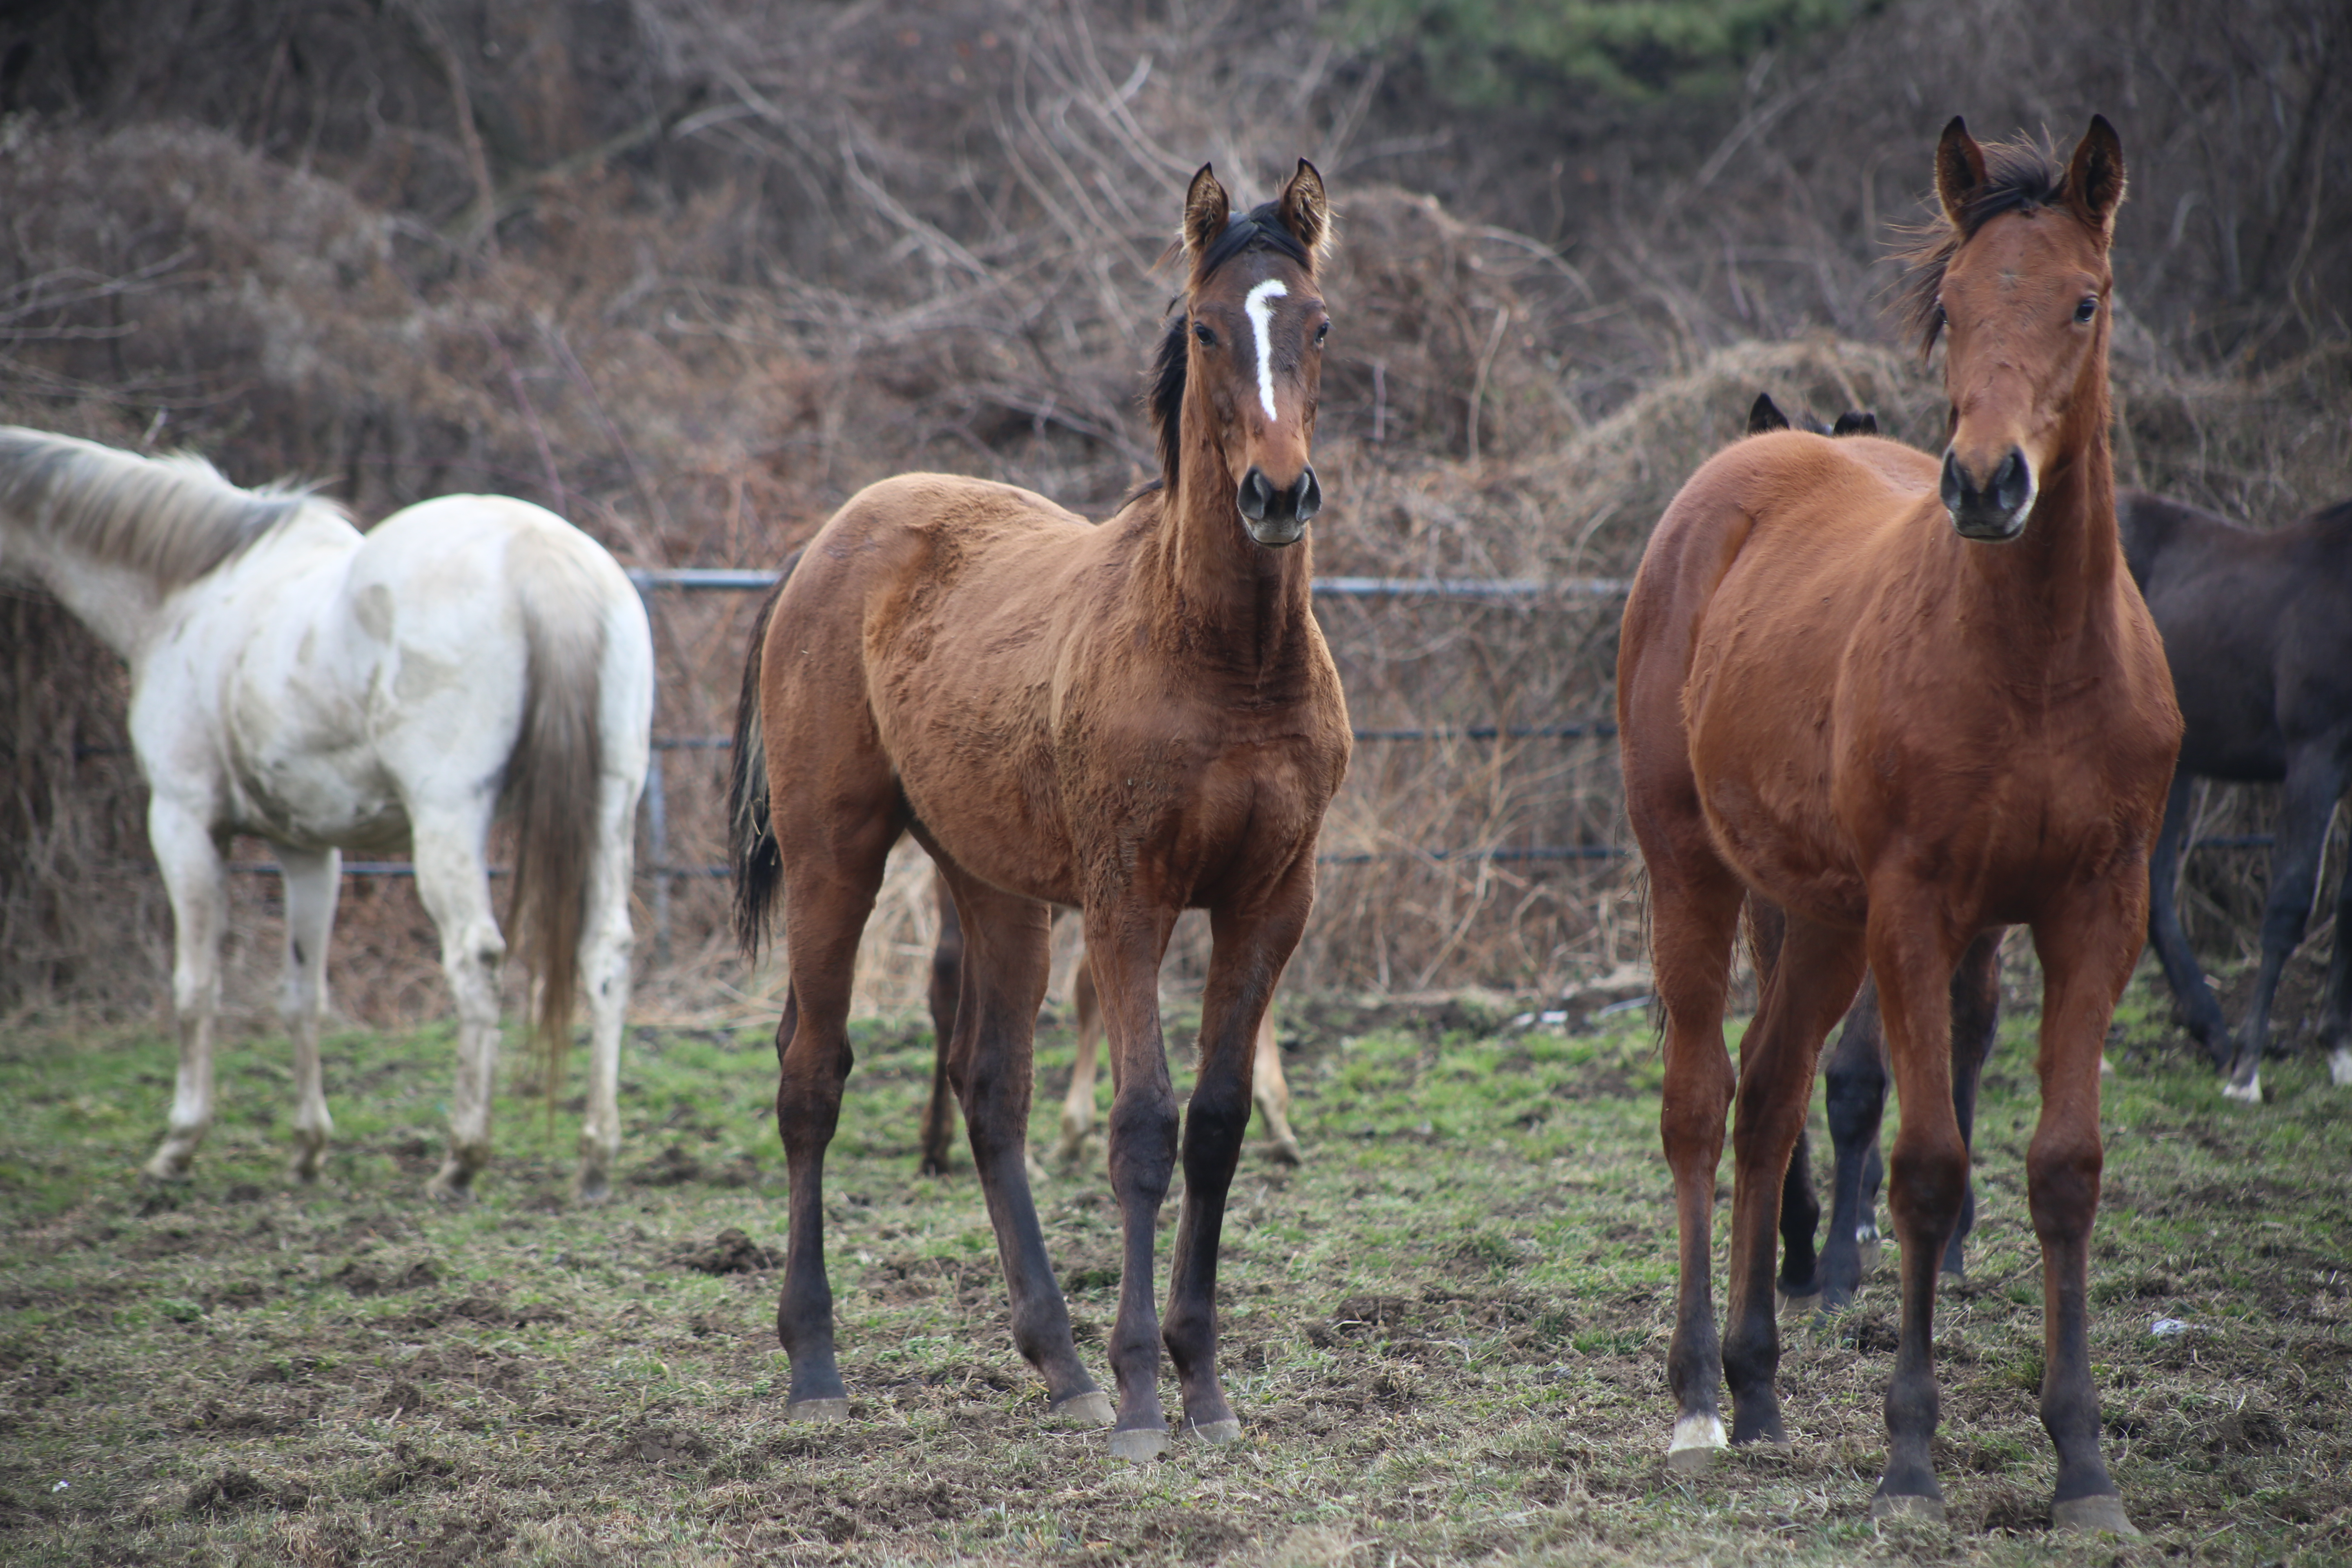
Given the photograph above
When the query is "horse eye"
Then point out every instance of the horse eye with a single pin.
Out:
(1321, 333)
(1207, 338)
(2088, 308)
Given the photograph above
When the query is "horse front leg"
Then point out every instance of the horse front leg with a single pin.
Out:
(313, 878)
(991, 1067)
(1855, 1091)
(2088, 952)
(1928, 1179)
(1249, 951)
(191, 857)
(2315, 777)
(1124, 945)
(1811, 984)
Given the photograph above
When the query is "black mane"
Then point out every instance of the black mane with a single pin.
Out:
(1260, 228)
(2019, 177)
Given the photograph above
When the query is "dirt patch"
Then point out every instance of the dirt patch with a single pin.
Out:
(729, 1252)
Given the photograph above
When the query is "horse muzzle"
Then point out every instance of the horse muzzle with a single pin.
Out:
(1277, 517)
(1996, 512)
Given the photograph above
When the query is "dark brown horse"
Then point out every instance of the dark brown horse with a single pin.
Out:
(1907, 704)
(2258, 627)
(1765, 415)
(1132, 720)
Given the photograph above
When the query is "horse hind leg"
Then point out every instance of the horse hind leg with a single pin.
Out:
(991, 1067)
(947, 982)
(1854, 1088)
(605, 944)
(2315, 783)
(2199, 1011)
(829, 893)
(1694, 919)
(312, 880)
(1078, 1103)
(1270, 1091)
(453, 882)
(190, 857)
(1976, 1020)
(2335, 1012)
(1812, 983)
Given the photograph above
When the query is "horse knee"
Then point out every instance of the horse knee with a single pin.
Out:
(1931, 1183)
(1143, 1140)
(2062, 1184)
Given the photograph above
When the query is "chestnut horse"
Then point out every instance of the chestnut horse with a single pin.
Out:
(1268, 1087)
(1904, 735)
(1133, 719)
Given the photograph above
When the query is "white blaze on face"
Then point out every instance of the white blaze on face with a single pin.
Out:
(1259, 308)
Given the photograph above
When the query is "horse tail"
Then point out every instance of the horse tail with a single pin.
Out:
(552, 779)
(751, 838)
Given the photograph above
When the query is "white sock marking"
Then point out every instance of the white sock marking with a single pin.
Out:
(1259, 308)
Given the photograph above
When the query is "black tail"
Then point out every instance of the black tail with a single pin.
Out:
(759, 865)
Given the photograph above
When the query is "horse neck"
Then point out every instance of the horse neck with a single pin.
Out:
(2056, 582)
(1241, 606)
(118, 604)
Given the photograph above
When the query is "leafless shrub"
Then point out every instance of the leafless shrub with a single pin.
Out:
(692, 272)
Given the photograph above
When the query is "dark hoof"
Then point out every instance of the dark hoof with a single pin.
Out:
(1139, 1444)
(1891, 1505)
(1226, 1431)
(2100, 1510)
(1092, 1408)
(1795, 1306)
(817, 1410)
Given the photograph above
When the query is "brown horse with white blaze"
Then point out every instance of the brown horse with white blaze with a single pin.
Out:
(1133, 719)
(1906, 703)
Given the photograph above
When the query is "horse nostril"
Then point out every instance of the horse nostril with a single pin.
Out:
(1256, 495)
(1954, 488)
(2011, 483)
(1310, 497)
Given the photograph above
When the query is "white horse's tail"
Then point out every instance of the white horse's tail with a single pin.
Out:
(552, 779)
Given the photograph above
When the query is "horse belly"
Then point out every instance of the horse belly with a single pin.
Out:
(304, 765)
(1760, 747)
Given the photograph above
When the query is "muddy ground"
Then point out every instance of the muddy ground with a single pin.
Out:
(1446, 1334)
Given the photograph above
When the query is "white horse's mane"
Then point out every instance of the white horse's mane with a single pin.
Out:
(173, 516)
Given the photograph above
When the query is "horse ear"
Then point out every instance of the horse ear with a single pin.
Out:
(1765, 414)
(2094, 175)
(1856, 422)
(1305, 211)
(1207, 211)
(1959, 170)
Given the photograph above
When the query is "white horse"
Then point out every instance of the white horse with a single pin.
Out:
(325, 691)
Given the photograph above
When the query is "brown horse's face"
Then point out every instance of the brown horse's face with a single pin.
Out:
(1256, 325)
(2024, 305)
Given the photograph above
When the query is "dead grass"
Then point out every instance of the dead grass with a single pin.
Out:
(744, 261)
